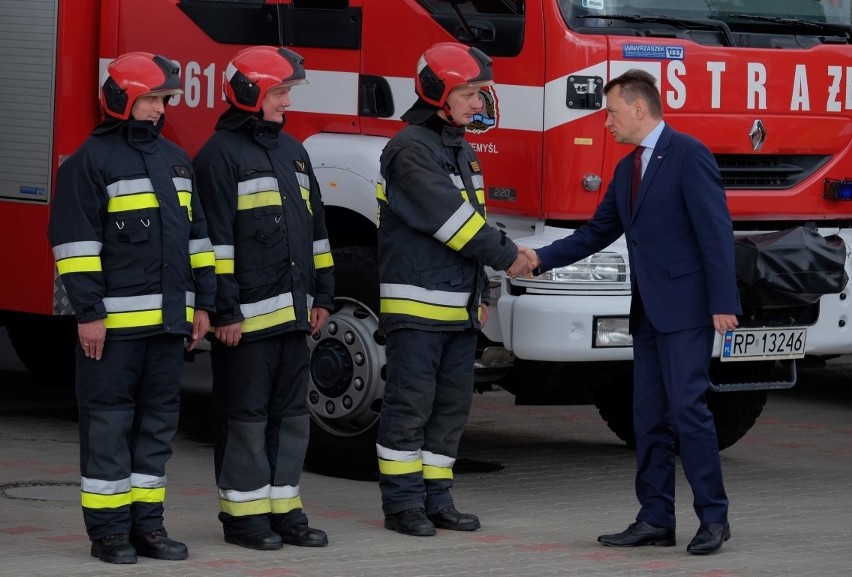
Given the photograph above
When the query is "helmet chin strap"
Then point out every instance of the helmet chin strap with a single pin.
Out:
(449, 114)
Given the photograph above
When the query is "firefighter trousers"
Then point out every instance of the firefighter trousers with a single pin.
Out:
(262, 426)
(427, 401)
(129, 405)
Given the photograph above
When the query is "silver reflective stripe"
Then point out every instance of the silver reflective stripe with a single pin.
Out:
(263, 184)
(310, 301)
(244, 496)
(147, 481)
(124, 187)
(321, 246)
(285, 492)
(457, 180)
(223, 251)
(101, 487)
(304, 180)
(265, 306)
(190, 299)
(200, 245)
(394, 455)
(82, 248)
(420, 294)
(430, 458)
(478, 181)
(454, 223)
(138, 303)
(182, 184)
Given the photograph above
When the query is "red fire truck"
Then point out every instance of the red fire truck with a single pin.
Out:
(766, 85)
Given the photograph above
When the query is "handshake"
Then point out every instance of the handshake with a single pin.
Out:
(525, 263)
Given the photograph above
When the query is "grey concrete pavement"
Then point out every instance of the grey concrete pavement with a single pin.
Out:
(564, 480)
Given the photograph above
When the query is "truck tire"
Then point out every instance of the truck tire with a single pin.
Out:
(348, 372)
(733, 412)
(37, 338)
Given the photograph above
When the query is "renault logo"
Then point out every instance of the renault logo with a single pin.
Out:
(757, 134)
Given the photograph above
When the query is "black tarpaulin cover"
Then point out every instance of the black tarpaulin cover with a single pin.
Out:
(789, 267)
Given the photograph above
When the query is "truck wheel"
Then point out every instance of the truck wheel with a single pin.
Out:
(348, 372)
(734, 413)
(36, 338)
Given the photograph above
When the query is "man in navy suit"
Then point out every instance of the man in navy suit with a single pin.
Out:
(681, 249)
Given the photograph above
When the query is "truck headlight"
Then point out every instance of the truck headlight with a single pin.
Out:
(600, 267)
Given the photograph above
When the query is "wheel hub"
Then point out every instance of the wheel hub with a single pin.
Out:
(331, 368)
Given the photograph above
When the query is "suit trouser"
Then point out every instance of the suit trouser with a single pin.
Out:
(669, 402)
(129, 407)
(427, 401)
(262, 428)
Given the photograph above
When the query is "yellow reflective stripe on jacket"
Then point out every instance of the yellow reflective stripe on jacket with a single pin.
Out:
(133, 202)
(81, 256)
(267, 313)
(424, 303)
(322, 254)
(467, 232)
(201, 253)
(184, 195)
(380, 192)
(258, 192)
(224, 258)
(258, 200)
(137, 311)
(79, 264)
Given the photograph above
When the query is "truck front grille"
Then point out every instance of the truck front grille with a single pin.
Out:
(768, 172)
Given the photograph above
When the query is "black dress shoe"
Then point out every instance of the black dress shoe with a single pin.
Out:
(709, 538)
(303, 536)
(410, 522)
(157, 545)
(449, 518)
(638, 534)
(114, 549)
(260, 540)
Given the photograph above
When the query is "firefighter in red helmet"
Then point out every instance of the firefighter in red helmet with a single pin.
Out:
(275, 287)
(433, 243)
(131, 248)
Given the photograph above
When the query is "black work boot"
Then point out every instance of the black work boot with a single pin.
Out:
(302, 535)
(157, 545)
(410, 522)
(449, 518)
(114, 549)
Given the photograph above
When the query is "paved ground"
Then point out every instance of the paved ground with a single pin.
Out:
(563, 479)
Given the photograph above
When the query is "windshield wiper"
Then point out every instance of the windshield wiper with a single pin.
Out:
(688, 23)
(844, 28)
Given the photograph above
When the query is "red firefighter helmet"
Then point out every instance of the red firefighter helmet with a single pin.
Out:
(254, 71)
(447, 65)
(136, 74)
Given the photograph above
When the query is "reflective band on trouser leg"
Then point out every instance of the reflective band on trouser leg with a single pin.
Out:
(106, 507)
(243, 503)
(400, 479)
(285, 499)
(243, 481)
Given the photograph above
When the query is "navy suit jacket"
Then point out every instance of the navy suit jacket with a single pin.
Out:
(679, 237)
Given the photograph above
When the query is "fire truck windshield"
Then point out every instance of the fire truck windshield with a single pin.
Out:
(830, 18)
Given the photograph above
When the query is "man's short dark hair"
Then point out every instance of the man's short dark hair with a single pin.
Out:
(638, 84)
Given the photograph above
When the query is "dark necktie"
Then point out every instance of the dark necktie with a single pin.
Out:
(637, 175)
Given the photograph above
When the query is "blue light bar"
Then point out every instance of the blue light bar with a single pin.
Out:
(834, 189)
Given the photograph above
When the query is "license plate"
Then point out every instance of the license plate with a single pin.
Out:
(756, 344)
